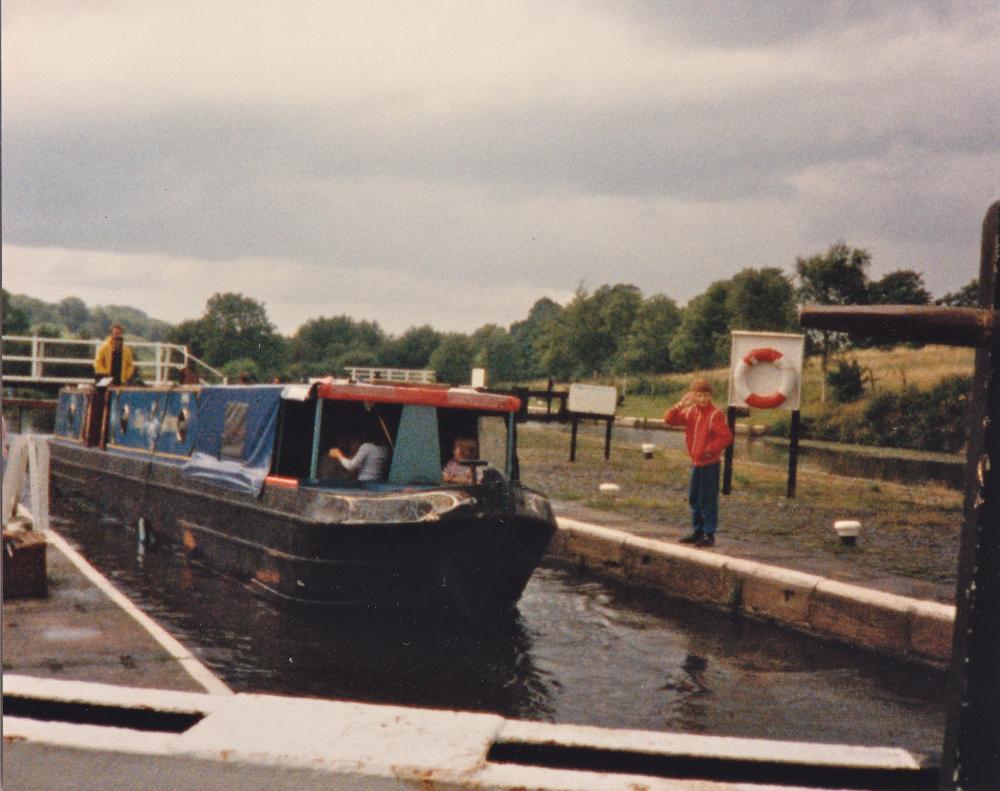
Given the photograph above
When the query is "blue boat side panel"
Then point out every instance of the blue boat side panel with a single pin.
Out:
(136, 417)
(70, 414)
(233, 436)
(416, 457)
(176, 437)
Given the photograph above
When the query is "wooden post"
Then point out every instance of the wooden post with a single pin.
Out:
(607, 439)
(971, 751)
(572, 439)
(727, 467)
(793, 454)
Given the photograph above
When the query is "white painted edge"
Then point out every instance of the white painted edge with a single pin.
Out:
(189, 662)
(448, 748)
(714, 747)
(766, 572)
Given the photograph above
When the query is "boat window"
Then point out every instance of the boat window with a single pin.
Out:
(295, 429)
(182, 425)
(234, 430)
(123, 417)
(493, 440)
(347, 425)
(489, 430)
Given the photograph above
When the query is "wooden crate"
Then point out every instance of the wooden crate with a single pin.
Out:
(25, 572)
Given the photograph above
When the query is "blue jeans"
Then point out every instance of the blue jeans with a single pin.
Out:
(703, 497)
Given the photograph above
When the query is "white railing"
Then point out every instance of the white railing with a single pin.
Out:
(391, 375)
(38, 352)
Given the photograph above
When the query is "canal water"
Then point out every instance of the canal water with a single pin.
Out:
(577, 651)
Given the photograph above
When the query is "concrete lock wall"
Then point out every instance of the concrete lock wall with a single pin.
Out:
(900, 626)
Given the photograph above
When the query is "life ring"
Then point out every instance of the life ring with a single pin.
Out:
(789, 378)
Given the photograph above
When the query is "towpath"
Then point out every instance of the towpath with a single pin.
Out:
(838, 565)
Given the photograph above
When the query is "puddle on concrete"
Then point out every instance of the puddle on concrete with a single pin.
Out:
(70, 633)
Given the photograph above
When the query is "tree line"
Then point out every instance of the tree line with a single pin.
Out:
(613, 330)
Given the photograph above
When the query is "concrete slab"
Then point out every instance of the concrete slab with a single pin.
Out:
(79, 632)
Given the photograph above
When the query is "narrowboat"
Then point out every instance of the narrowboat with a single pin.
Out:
(241, 477)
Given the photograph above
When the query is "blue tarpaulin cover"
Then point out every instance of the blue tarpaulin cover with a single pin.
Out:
(234, 436)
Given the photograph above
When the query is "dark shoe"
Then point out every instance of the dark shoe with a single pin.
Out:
(694, 538)
(706, 540)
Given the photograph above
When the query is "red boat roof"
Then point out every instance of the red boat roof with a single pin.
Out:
(455, 398)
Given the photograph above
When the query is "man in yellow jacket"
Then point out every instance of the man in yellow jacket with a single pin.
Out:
(114, 358)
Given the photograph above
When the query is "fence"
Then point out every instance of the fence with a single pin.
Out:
(391, 375)
(61, 361)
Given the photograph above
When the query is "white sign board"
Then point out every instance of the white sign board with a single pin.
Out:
(479, 377)
(765, 370)
(592, 399)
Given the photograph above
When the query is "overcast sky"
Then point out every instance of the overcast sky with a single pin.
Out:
(452, 162)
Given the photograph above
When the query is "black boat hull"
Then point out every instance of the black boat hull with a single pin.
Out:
(470, 550)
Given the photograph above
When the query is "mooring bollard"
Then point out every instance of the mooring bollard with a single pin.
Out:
(848, 530)
(647, 450)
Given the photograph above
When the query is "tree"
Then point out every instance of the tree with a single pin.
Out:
(452, 359)
(702, 339)
(761, 299)
(189, 333)
(235, 327)
(498, 353)
(837, 277)
(331, 343)
(967, 297)
(902, 287)
(135, 322)
(647, 347)
(412, 349)
(589, 337)
(528, 333)
(15, 319)
(73, 313)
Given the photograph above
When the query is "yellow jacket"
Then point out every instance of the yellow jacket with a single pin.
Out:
(102, 363)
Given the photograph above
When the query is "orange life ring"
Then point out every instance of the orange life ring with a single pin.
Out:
(789, 378)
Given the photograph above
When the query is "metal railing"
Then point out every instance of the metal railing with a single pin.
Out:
(391, 375)
(155, 361)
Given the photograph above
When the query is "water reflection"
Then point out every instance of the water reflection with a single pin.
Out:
(577, 651)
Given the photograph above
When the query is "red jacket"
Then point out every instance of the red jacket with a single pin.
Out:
(705, 430)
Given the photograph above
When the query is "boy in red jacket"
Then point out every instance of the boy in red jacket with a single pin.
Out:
(707, 435)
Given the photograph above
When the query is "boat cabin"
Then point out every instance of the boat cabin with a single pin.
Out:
(242, 436)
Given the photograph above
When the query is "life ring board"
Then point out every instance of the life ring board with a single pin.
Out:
(789, 378)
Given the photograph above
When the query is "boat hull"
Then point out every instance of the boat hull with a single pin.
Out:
(466, 550)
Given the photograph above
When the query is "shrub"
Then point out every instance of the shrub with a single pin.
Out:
(845, 382)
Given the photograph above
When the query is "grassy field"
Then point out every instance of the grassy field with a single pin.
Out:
(891, 369)
(908, 531)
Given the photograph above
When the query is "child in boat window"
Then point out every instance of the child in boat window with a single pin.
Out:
(367, 459)
(456, 472)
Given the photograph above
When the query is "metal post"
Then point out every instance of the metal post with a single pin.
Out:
(793, 454)
(727, 467)
(317, 424)
(607, 438)
(36, 353)
(572, 439)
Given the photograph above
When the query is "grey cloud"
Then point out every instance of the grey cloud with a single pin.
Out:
(752, 24)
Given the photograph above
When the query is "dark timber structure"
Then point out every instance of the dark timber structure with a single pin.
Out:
(971, 753)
